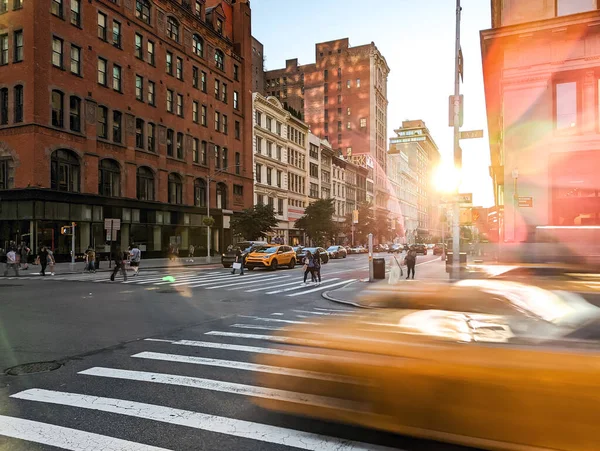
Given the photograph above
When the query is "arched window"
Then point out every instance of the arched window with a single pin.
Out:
(173, 28)
(175, 189)
(142, 10)
(57, 109)
(145, 183)
(64, 171)
(221, 196)
(200, 193)
(220, 59)
(109, 178)
(198, 45)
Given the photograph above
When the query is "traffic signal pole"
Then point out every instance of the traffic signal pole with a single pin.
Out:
(73, 245)
(457, 150)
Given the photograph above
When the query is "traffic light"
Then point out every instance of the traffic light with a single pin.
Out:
(65, 230)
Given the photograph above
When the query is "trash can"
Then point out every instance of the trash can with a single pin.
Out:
(379, 268)
(462, 257)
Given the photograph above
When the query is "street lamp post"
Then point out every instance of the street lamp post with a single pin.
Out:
(208, 180)
(457, 151)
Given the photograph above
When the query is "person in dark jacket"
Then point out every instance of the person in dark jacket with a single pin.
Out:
(119, 259)
(43, 256)
(411, 261)
(317, 267)
(309, 265)
(239, 258)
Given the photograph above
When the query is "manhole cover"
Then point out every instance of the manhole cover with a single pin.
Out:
(30, 368)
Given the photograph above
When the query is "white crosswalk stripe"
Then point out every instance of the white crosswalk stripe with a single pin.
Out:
(55, 435)
(258, 281)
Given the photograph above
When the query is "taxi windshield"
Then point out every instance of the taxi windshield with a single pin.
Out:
(267, 250)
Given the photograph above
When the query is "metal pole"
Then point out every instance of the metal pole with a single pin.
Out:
(370, 257)
(443, 236)
(111, 245)
(515, 174)
(72, 245)
(457, 156)
(208, 216)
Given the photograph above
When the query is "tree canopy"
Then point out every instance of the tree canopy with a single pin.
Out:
(318, 222)
(254, 223)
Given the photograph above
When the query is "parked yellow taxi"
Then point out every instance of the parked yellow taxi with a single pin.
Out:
(271, 257)
(489, 381)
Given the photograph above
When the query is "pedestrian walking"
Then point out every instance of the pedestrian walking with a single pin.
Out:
(191, 251)
(43, 258)
(135, 255)
(309, 266)
(90, 258)
(11, 262)
(24, 252)
(410, 261)
(51, 261)
(317, 267)
(395, 270)
(118, 258)
(239, 261)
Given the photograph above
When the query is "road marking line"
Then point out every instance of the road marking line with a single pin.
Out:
(221, 280)
(220, 386)
(248, 336)
(255, 326)
(322, 287)
(204, 280)
(155, 277)
(64, 438)
(271, 286)
(274, 320)
(298, 287)
(213, 423)
(323, 313)
(248, 283)
(245, 366)
(276, 314)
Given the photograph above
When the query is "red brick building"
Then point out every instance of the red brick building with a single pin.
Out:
(121, 110)
(343, 97)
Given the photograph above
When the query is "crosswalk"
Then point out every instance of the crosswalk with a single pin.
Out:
(285, 283)
(170, 365)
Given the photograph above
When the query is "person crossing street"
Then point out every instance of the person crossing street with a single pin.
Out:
(11, 262)
(411, 261)
(135, 257)
(119, 261)
(239, 259)
(43, 257)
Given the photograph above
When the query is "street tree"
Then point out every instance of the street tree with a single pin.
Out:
(366, 222)
(318, 222)
(382, 227)
(254, 223)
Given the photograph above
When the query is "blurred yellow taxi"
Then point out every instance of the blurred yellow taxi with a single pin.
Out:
(271, 257)
(490, 381)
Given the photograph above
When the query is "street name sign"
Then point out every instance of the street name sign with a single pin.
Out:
(471, 134)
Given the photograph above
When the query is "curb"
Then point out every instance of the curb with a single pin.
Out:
(327, 296)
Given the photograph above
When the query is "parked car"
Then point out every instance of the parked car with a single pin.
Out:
(438, 249)
(420, 248)
(271, 257)
(396, 248)
(301, 255)
(337, 251)
(229, 256)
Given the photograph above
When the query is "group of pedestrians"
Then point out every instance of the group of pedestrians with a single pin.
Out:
(133, 255)
(312, 266)
(17, 258)
(408, 259)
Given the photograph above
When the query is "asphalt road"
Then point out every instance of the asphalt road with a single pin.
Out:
(162, 364)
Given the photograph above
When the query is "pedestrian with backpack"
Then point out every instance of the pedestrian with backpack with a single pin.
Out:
(410, 261)
(309, 266)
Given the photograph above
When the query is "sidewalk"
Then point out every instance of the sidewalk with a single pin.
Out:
(353, 293)
(152, 263)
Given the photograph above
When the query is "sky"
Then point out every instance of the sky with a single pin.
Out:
(417, 40)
